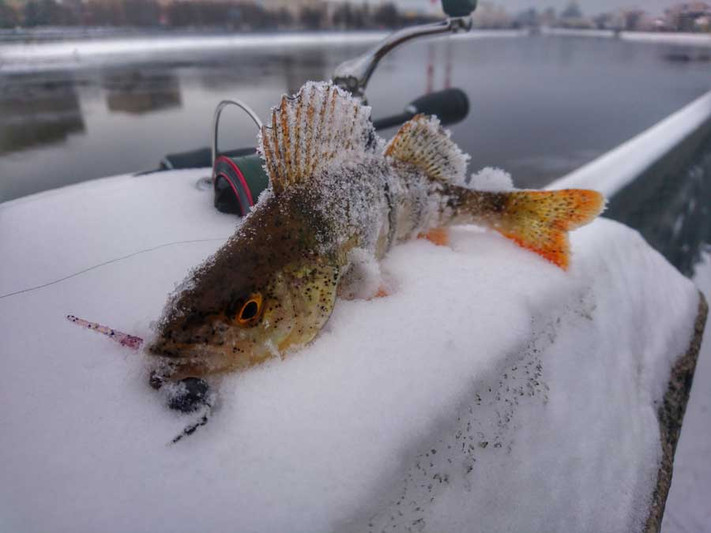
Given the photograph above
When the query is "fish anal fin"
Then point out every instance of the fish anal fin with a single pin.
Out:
(310, 130)
(437, 236)
(423, 143)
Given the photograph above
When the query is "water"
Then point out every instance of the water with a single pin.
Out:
(541, 105)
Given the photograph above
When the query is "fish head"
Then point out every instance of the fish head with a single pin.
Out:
(269, 289)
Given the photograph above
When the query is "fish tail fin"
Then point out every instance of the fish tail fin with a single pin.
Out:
(540, 220)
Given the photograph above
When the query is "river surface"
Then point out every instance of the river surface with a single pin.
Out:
(541, 106)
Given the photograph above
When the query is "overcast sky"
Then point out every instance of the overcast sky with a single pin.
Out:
(589, 7)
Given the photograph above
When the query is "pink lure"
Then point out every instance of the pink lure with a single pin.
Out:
(124, 339)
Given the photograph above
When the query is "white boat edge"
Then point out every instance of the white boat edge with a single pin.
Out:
(619, 167)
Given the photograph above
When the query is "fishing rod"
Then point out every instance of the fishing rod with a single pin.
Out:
(238, 176)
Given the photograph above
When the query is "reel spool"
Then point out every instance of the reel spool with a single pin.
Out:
(237, 179)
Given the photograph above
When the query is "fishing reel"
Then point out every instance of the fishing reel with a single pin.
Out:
(238, 177)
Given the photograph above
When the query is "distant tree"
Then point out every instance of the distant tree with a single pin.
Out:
(312, 17)
(633, 19)
(141, 12)
(360, 17)
(572, 11)
(193, 13)
(527, 19)
(182, 14)
(47, 13)
(603, 21)
(8, 16)
(387, 16)
(343, 16)
(104, 13)
(254, 16)
(284, 17)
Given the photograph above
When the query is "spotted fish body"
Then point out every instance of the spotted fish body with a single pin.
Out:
(337, 195)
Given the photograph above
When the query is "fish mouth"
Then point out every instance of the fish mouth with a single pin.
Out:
(168, 348)
(187, 351)
(180, 360)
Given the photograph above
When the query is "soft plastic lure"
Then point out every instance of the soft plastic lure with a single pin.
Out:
(124, 339)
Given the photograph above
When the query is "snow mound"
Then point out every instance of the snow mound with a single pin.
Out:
(491, 179)
(490, 391)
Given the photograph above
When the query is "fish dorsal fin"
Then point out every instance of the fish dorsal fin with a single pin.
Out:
(423, 142)
(311, 130)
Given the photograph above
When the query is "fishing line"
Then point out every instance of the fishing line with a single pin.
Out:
(133, 254)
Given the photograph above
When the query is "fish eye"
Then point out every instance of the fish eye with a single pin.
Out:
(250, 310)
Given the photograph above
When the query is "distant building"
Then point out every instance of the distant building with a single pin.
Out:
(689, 17)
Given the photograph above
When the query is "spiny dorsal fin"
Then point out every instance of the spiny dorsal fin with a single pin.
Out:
(424, 143)
(310, 130)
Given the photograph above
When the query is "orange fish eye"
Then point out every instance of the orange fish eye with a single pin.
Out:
(251, 310)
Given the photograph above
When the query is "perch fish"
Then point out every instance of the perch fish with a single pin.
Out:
(338, 195)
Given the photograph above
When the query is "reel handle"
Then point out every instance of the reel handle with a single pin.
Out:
(216, 121)
(237, 180)
(450, 105)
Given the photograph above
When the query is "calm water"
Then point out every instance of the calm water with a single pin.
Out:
(540, 106)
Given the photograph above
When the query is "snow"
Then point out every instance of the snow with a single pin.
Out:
(572, 32)
(682, 39)
(617, 168)
(67, 54)
(86, 52)
(490, 391)
(673, 38)
(491, 179)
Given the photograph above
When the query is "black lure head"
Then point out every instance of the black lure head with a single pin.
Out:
(188, 395)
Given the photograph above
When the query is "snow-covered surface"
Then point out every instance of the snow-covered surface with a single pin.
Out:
(674, 38)
(688, 502)
(88, 52)
(490, 392)
(683, 39)
(614, 170)
(571, 32)
(83, 53)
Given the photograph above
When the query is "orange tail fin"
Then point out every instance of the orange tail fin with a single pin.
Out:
(540, 220)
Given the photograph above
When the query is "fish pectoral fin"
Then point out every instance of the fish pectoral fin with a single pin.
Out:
(423, 142)
(383, 292)
(437, 236)
(363, 277)
(308, 132)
